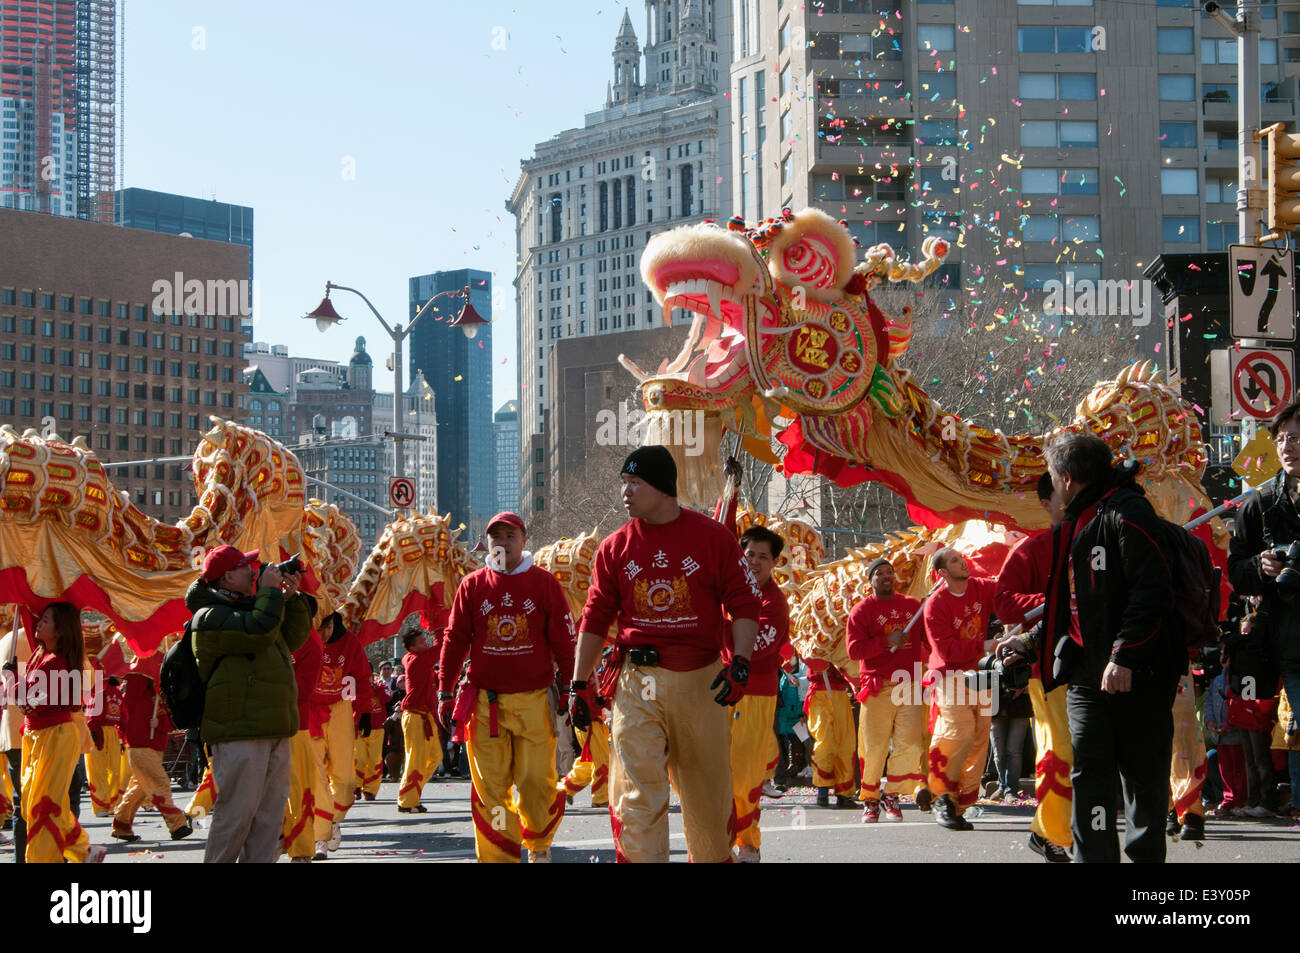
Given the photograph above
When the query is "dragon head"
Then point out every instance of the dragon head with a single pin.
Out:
(784, 322)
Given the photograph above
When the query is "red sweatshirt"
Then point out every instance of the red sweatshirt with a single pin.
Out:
(421, 681)
(344, 670)
(956, 626)
(871, 623)
(110, 710)
(771, 644)
(140, 696)
(515, 626)
(1022, 583)
(46, 682)
(306, 672)
(380, 696)
(666, 585)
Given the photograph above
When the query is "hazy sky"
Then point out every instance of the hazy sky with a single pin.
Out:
(375, 141)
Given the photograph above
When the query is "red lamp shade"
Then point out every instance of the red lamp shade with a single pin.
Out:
(469, 320)
(324, 315)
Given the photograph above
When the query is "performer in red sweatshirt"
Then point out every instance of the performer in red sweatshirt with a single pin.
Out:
(105, 761)
(829, 709)
(956, 625)
(147, 725)
(512, 619)
(666, 575)
(344, 685)
(419, 709)
(891, 721)
(370, 739)
(309, 812)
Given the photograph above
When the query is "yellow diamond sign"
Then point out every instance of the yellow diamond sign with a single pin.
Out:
(1257, 463)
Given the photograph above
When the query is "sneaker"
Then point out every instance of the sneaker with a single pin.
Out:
(945, 814)
(924, 800)
(1172, 827)
(1257, 811)
(1223, 812)
(336, 837)
(844, 801)
(893, 811)
(988, 788)
(539, 856)
(823, 797)
(418, 809)
(747, 855)
(870, 812)
(322, 850)
(125, 836)
(1052, 853)
(1193, 827)
(180, 832)
(96, 854)
(771, 790)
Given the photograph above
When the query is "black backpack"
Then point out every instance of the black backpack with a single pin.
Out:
(180, 685)
(1196, 582)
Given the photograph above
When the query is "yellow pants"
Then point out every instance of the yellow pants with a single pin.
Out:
(960, 746)
(104, 773)
(522, 756)
(890, 739)
(340, 735)
(369, 756)
(830, 719)
(323, 800)
(754, 754)
(666, 728)
(49, 760)
(423, 755)
(300, 810)
(592, 766)
(1188, 766)
(6, 790)
(149, 782)
(1052, 770)
(205, 795)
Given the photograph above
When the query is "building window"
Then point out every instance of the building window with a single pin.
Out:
(1182, 228)
(1178, 182)
(1178, 135)
(1058, 86)
(1177, 88)
(934, 37)
(1059, 181)
(1176, 40)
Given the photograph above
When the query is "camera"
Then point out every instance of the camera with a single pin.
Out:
(1288, 580)
(291, 565)
(1010, 673)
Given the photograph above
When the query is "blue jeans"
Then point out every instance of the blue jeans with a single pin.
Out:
(1007, 736)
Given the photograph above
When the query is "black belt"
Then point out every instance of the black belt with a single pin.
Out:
(644, 657)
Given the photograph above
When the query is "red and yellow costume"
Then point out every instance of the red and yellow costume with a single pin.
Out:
(419, 727)
(369, 751)
(955, 628)
(147, 726)
(308, 812)
(1021, 585)
(891, 721)
(754, 751)
(592, 765)
(1188, 766)
(829, 707)
(52, 744)
(344, 684)
(105, 762)
(516, 629)
(667, 584)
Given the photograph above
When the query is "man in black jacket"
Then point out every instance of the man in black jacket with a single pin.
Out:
(1115, 648)
(1267, 520)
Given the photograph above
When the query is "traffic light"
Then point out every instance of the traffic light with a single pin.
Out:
(1283, 179)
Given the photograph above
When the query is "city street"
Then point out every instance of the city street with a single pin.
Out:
(794, 831)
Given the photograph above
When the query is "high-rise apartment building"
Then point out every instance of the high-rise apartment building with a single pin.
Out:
(586, 203)
(505, 445)
(459, 369)
(90, 342)
(58, 106)
(1065, 140)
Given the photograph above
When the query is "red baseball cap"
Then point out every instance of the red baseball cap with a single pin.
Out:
(221, 560)
(510, 519)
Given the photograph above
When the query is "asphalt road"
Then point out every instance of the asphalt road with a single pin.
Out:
(794, 831)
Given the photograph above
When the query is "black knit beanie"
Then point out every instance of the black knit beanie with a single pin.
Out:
(654, 465)
(876, 564)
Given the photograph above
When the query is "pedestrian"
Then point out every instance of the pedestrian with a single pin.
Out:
(956, 625)
(665, 576)
(512, 619)
(1115, 648)
(309, 812)
(891, 720)
(247, 623)
(1228, 744)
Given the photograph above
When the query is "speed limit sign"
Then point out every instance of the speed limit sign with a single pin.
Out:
(401, 492)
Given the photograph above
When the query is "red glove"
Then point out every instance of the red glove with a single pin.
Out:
(732, 680)
(446, 706)
(582, 704)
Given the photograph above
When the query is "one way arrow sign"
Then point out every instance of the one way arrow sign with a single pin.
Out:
(1262, 292)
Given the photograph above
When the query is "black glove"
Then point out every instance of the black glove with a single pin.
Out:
(10, 666)
(732, 680)
(582, 702)
(364, 725)
(97, 735)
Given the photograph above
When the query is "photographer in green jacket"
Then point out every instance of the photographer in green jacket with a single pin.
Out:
(246, 626)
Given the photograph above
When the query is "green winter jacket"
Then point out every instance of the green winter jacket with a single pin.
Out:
(243, 652)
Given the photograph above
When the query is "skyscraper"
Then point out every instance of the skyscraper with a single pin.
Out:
(58, 106)
(459, 370)
(505, 434)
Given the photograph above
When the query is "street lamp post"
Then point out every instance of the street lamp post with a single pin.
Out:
(325, 316)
